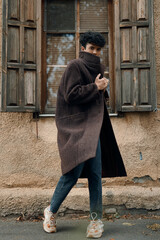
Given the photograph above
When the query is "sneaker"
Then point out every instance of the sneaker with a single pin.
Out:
(49, 224)
(95, 228)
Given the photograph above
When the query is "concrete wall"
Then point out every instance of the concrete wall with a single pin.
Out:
(28, 149)
(0, 47)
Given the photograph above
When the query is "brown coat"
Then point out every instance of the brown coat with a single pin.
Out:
(80, 116)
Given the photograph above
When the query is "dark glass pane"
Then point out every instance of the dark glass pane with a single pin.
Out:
(105, 59)
(93, 15)
(54, 75)
(60, 51)
(105, 53)
(60, 15)
(61, 48)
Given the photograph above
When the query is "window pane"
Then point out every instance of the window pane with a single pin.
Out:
(93, 15)
(60, 48)
(54, 75)
(105, 54)
(60, 15)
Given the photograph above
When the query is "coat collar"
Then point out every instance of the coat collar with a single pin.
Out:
(88, 57)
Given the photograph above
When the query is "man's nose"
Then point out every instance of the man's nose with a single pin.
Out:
(95, 52)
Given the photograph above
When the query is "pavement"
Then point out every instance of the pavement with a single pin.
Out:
(74, 229)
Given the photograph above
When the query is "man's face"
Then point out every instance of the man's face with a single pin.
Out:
(92, 48)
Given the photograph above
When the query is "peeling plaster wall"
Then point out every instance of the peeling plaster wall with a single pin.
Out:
(0, 48)
(25, 159)
(138, 138)
(31, 160)
(157, 46)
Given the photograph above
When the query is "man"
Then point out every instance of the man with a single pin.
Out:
(86, 141)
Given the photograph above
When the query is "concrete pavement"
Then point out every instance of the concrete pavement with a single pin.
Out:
(120, 229)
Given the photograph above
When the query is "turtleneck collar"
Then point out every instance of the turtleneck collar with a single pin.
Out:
(89, 57)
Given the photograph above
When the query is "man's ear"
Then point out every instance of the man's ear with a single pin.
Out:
(82, 48)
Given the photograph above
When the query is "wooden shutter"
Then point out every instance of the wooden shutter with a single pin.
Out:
(134, 53)
(21, 57)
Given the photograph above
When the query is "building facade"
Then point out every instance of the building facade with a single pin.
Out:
(38, 39)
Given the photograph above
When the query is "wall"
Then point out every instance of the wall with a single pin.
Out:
(157, 45)
(28, 149)
(0, 47)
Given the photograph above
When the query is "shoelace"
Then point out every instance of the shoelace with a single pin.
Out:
(93, 218)
(95, 223)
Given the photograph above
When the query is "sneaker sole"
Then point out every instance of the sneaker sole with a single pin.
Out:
(48, 230)
(89, 235)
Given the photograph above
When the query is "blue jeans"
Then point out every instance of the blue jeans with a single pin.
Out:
(67, 181)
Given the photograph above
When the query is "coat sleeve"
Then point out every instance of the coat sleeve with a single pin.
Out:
(75, 91)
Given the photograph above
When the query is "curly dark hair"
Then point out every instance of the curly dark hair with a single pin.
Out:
(92, 37)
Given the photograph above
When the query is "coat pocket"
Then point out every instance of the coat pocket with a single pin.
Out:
(71, 128)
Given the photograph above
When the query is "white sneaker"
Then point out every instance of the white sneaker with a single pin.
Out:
(49, 224)
(95, 228)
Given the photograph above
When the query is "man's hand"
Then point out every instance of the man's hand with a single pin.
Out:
(101, 83)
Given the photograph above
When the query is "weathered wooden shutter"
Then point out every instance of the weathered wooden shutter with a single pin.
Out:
(134, 53)
(21, 60)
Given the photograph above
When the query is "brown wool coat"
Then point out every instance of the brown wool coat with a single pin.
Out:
(82, 117)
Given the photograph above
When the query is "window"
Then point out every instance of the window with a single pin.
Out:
(64, 21)
(40, 39)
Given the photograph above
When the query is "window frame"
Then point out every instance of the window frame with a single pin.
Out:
(77, 32)
(114, 60)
